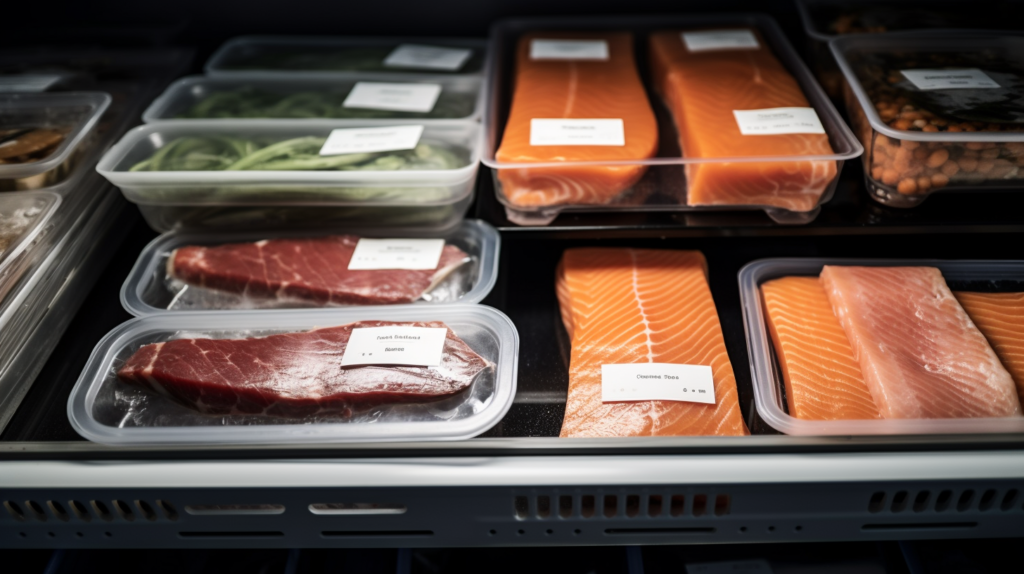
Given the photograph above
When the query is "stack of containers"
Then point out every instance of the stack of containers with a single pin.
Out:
(307, 184)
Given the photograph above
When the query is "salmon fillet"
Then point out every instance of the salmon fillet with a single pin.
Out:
(576, 89)
(701, 90)
(823, 380)
(920, 354)
(1000, 317)
(642, 306)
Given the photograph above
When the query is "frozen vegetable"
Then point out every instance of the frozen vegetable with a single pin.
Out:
(328, 58)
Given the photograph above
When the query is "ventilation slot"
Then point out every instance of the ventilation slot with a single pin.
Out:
(942, 502)
(543, 506)
(700, 505)
(633, 505)
(376, 533)
(988, 498)
(168, 509)
(899, 501)
(565, 506)
(654, 505)
(723, 505)
(647, 531)
(14, 510)
(58, 511)
(588, 506)
(521, 506)
(356, 508)
(964, 503)
(124, 510)
(921, 501)
(101, 510)
(1008, 500)
(36, 510)
(146, 510)
(263, 534)
(233, 509)
(81, 511)
(877, 502)
(678, 505)
(611, 505)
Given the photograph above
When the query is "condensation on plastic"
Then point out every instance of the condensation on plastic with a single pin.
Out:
(104, 410)
(187, 92)
(149, 290)
(767, 379)
(874, 133)
(665, 171)
(77, 111)
(23, 216)
(219, 65)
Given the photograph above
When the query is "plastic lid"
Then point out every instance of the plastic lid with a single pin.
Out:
(23, 216)
(77, 112)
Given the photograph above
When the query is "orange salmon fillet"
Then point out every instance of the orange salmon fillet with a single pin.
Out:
(1000, 317)
(823, 380)
(642, 306)
(702, 89)
(576, 89)
(921, 355)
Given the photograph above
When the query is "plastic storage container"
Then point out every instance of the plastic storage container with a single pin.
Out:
(332, 57)
(216, 99)
(767, 379)
(903, 164)
(23, 216)
(147, 291)
(264, 199)
(104, 410)
(73, 114)
(663, 186)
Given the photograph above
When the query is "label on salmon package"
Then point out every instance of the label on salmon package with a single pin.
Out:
(412, 254)
(657, 382)
(971, 78)
(605, 132)
(414, 346)
(371, 140)
(775, 121)
(710, 40)
(393, 97)
(427, 57)
(568, 49)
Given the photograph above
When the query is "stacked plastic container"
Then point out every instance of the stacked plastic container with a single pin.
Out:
(259, 155)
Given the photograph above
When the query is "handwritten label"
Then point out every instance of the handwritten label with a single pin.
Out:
(774, 121)
(711, 40)
(427, 57)
(415, 346)
(657, 382)
(605, 132)
(371, 140)
(27, 83)
(733, 567)
(393, 97)
(415, 254)
(569, 50)
(970, 78)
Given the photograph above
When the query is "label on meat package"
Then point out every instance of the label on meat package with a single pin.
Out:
(657, 382)
(971, 78)
(27, 83)
(393, 97)
(711, 40)
(607, 132)
(732, 567)
(774, 121)
(414, 254)
(569, 49)
(413, 346)
(371, 140)
(427, 57)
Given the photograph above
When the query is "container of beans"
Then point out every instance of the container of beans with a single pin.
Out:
(935, 112)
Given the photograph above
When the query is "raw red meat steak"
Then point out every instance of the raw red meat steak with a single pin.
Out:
(293, 374)
(310, 270)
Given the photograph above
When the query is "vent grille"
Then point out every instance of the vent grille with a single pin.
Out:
(81, 511)
(944, 501)
(620, 505)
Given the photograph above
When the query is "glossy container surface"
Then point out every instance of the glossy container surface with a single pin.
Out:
(147, 291)
(104, 410)
(23, 217)
(764, 368)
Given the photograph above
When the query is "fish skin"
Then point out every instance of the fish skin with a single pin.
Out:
(1000, 317)
(921, 355)
(701, 90)
(641, 306)
(822, 379)
(579, 89)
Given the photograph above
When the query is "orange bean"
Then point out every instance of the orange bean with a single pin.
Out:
(975, 145)
(986, 165)
(930, 128)
(940, 180)
(921, 153)
(954, 129)
(990, 153)
(890, 176)
(950, 168)
(937, 158)
(907, 186)
(968, 164)
(911, 145)
(902, 124)
(924, 183)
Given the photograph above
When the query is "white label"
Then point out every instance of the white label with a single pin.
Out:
(971, 78)
(427, 57)
(416, 346)
(393, 97)
(569, 50)
(371, 140)
(27, 83)
(735, 567)
(710, 40)
(657, 382)
(774, 121)
(415, 254)
(610, 132)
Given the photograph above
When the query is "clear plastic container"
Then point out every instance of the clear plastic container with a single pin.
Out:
(663, 185)
(767, 379)
(333, 57)
(73, 114)
(104, 410)
(23, 217)
(264, 199)
(147, 290)
(461, 98)
(899, 155)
